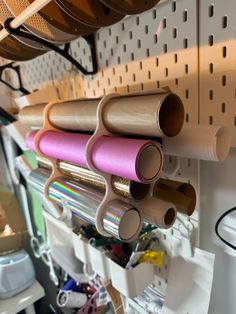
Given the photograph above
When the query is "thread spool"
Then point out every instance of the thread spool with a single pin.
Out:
(163, 115)
(138, 160)
(70, 299)
(123, 187)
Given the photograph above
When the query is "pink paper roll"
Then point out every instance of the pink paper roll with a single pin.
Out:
(133, 159)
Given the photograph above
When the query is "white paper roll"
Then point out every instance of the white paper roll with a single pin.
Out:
(206, 142)
(71, 299)
(157, 212)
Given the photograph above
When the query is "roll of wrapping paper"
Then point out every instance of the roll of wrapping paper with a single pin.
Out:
(123, 187)
(158, 212)
(181, 194)
(133, 159)
(120, 219)
(148, 115)
(206, 142)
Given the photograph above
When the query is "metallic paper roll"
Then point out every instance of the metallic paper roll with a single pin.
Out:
(133, 159)
(181, 194)
(84, 200)
(123, 187)
(150, 115)
(158, 212)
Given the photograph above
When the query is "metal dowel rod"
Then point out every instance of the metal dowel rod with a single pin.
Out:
(25, 15)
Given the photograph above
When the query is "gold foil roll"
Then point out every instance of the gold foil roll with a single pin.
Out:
(182, 195)
(123, 187)
(149, 115)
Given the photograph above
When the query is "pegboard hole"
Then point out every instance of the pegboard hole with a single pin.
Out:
(185, 43)
(187, 117)
(223, 107)
(186, 68)
(211, 120)
(176, 57)
(124, 47)
(223, 80)
(211, 40)
(122, 26)
(147, 52)
(234, 121)
(185, 16)
(173, 5)
(154, 14)
(187, 94)
(224, 21)
(211, 68)
(211, 10)
(146, 29)
(176, 82)
(166, 72)
(165, 48)
(224, 52)
(126, 68)
(164, 22)
(149, 75)
(132, 56)
(139, 43)
(130, 35)
(211, 94)
(174, 32)
(155, 39)
(140, 65)
(158, 84)
(137, 20)
(134, 77)
(157, 62)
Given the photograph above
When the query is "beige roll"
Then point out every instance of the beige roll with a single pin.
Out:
(149, 115)
(123, 187)
(182, 195)
(158, 212)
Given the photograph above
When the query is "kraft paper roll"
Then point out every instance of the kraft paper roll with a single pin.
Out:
(206, 142)
(83, 201)
(123, 187)
(149, 115)
(182, 195)
(158, 212)
(133, 159)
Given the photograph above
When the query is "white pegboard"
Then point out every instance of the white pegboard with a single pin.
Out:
(155, 49)
(217, 64)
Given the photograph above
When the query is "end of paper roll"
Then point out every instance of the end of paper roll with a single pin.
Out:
(171, 115)
(222, 143)
(158, 212)
(122, 220)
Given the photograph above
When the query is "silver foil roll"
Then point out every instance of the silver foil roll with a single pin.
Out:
(120, 219)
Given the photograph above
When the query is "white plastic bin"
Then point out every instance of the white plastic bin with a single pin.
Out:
(131, 282)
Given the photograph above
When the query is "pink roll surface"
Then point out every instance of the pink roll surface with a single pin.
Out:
(61, 145)
(133, 159)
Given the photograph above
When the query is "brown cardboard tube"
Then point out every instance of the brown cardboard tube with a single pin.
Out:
(149, 115)
(182, 195)
(158, 212)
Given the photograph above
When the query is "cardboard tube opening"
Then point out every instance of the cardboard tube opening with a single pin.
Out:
(222, 143)
(169, 217)
(171, 115)
(138, 190)
(149, 163)
(130, 225)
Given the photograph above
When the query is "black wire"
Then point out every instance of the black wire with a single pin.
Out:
(217, 226)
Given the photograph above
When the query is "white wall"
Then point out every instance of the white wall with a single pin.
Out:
(218, 193)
